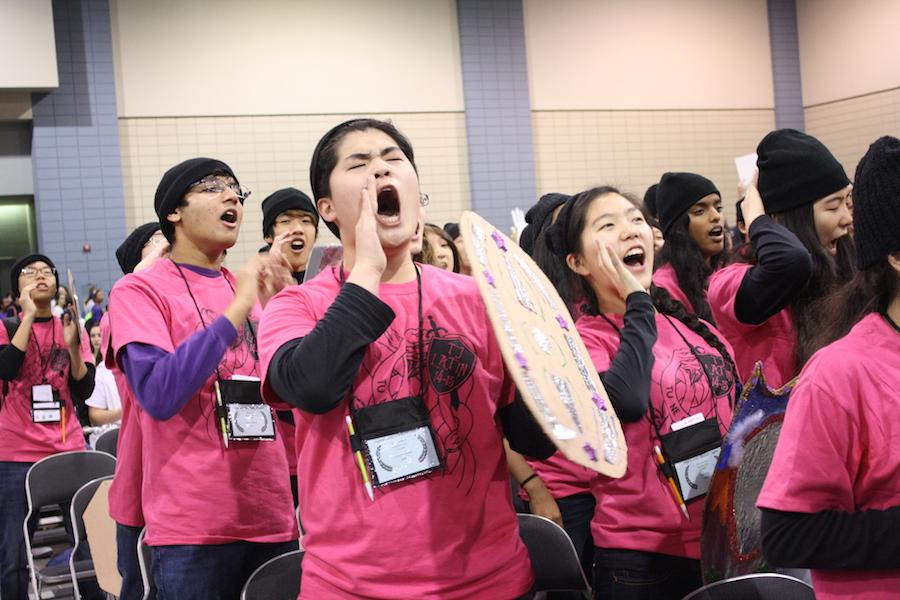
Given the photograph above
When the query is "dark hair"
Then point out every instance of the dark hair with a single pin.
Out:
(98, 354)
(691, 271)
(828, 274)
(325, 157)
(579, 292)
(432, 228)
(166, 226)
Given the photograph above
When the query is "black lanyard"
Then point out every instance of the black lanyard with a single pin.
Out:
(200, 314)
(45, 364)
(421, 349)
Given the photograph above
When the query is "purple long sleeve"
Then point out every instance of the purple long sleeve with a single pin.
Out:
(163, 382)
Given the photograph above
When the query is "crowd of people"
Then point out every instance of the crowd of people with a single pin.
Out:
(373, 394)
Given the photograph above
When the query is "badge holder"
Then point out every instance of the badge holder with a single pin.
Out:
(46, 407)
(397, 440)
(246, 416)
(692, 453)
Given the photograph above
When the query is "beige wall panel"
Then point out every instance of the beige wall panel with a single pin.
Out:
(576, 150)
(27, 45)
(648, 54)
(849, 126)
(848, 48)
(232, 57)
(268, 153)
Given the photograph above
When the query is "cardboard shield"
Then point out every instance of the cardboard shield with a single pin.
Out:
(730, 540)
(543, 352)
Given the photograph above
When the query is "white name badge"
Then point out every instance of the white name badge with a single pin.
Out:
(45, 407)
(695, 474)
(691, 420)
(47, 416)
(42, 393)
(402, 455)
(250, 422)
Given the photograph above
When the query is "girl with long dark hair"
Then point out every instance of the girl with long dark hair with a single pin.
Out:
(690, 212)
(671, 380)
(798, 222)
(831, 500)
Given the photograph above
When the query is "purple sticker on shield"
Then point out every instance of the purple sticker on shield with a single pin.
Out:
(523, 362)
(598, 400)
(498, 239)
(489, 277)
(562, 322)
(589, 450)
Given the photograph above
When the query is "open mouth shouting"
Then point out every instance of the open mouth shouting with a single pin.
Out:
(634, 259)
(230, 217)
(388, 206)
(717, 234)
(297, 246)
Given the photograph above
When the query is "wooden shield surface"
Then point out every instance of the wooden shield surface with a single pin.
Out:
(542, 350)
(730, 541)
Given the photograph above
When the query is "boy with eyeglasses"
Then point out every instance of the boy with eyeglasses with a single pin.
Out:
(290, 227)
(215, 494)
(46, 366)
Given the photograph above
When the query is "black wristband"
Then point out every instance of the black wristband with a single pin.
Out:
(527, 479)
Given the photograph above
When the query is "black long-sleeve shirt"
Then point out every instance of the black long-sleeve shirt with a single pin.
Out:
(315, 372)
(783, 267)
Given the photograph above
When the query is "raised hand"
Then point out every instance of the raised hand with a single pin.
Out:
(369, 253)
(623, 279)
(752, 207)
(26, 303)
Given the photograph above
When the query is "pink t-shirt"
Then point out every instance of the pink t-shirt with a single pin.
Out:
(125, 491)
(773, 342)
(194, 491)
(839, 448)
(666, 278)
(638, 511)
(450, 535)
(21, 439)
(561, 476)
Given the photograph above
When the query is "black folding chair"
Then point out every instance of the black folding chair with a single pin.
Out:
(758, 586)
(276, 579)
(108, 441)
(553, 557)
(54, 480)
(80, 502)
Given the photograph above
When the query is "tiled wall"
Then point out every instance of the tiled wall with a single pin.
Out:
(498, 112)
(271, 152)
(75, 148)
(847, 127)
(575, 150)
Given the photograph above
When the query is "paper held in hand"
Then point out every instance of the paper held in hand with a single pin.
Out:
(543, 352)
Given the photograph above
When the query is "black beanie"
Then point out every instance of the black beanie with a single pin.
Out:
(876, 203)
(677, 192)
(340, 130)
(282, 201)
(21, 263)
(796, 169)
(538, 217)
(175, 183)
(452, 229)
(650, 201)
(129, 252)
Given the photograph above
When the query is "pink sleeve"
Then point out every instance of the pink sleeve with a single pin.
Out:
(599, 347)
(722, 293)
(811, 469)
(137, 314)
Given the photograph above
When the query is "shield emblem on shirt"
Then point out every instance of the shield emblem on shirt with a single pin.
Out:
(450, 364)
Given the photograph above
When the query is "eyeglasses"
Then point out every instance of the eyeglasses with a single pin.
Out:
(32, 272)
(215, 185)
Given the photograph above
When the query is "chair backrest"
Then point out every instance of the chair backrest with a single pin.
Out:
(143, 554)
(553, 557)
(54, 480)
(277, 579)
(758, 586)
(80, 502)
(108, 441)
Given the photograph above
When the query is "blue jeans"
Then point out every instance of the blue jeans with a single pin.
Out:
(577, 512)
(211, 572)
(127, 562)
(635, 575)
(13, 508)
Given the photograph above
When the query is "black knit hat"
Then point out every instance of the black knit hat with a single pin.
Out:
(650, 201)
(538, 217)
(452, 229)
(796, 169)
(876, 203)
(282, 201)
(175, 183)
(22, 262)
(129, 252)
(318, 177)
(677, 192)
